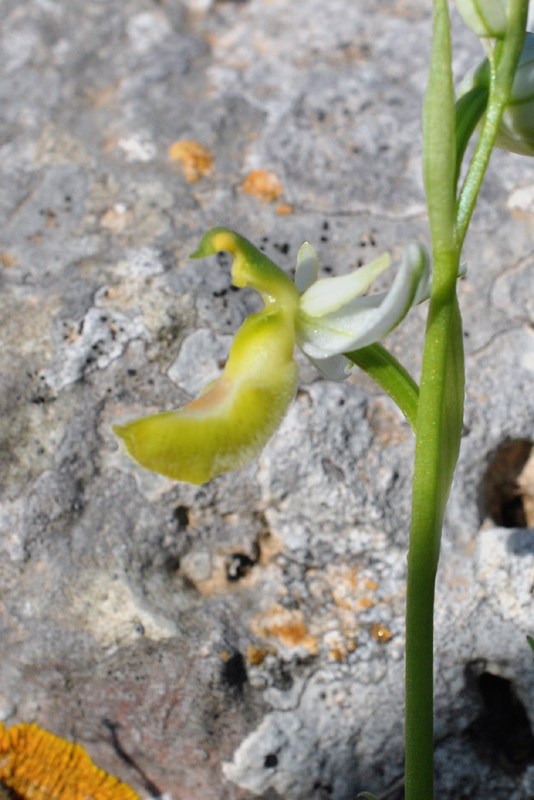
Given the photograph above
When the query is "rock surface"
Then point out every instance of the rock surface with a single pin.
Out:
(245, 638)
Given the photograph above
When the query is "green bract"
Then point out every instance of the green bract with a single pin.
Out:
(486, 18)
(235, 416)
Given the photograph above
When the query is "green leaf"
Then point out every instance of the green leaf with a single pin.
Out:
(530, 640)
(453, 406)
(367, 795)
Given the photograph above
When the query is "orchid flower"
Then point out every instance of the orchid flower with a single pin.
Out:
(235, 416)
(333, 317)
(486, 18)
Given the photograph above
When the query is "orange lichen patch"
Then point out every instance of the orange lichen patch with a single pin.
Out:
(7, 261)
(284, 208)
(101, 98)
(36, 765)
(287, 627)
(340, 645)
(270, 545)
(371, 585)
(256, 654)
(225, 655)
(341, 652)
(380, 633)
(263, 184)
(197, 160)
(344, 582)
(116, 218)
(366, 603)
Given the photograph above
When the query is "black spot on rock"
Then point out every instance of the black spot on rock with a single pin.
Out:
(238, 565)
(234, 672)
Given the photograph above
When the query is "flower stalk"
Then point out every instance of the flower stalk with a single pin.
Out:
(446, 130)
(430, 486)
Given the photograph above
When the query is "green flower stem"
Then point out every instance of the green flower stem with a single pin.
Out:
(503, 61)
(440, 406)
(384, 368)
(429, 493)
(469, 110)
(437, 439)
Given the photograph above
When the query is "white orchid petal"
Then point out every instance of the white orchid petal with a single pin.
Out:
(307, 267)
(330, 294)
(318, 339)
(333, 368)
(368, 319)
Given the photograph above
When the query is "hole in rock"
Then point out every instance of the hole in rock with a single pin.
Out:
(172, 564)
(271, 761)
(6, 793)
(234, 672)
(507, 492)
(181, 515)
(238, 566)
(501, 733)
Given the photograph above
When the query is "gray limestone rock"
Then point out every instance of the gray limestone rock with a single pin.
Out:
(245, 638)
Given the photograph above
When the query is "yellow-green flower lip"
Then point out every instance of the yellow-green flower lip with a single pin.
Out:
(234, 418)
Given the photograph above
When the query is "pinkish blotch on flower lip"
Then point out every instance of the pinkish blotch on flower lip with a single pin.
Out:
(232, 420)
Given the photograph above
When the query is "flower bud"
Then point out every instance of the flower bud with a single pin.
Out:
(486, 18)
(516, 131)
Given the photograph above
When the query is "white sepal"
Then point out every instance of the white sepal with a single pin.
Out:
(333, 368)
(360, 321)
(330, 294)
(307, 267)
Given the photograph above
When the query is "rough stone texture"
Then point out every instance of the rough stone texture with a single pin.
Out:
(243, 638)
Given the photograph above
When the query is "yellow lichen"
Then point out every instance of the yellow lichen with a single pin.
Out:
(196, 159)
(256, 654)
(283, 209)
(36, 765)
(288, 627)
(263, 184)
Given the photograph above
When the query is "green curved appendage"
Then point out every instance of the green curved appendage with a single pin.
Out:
(251, 267)
(391, 376)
